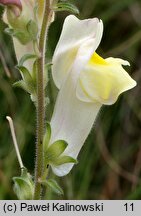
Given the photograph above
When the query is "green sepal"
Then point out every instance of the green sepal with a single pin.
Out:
(55, 150)
(47, 137)
(20, 35)
(66, 6)
(52, 152)
(53, 185)
(25, 58)
(24, 185)
(64, 159)
(32, 29)
(30, 33)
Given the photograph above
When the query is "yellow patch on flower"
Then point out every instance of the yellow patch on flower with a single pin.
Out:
(96, 59)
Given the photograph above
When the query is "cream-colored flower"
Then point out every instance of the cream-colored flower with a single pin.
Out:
(85, 81)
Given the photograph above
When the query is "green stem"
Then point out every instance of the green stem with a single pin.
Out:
(40, 99)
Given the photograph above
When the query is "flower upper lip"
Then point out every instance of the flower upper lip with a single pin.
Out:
(68, 47)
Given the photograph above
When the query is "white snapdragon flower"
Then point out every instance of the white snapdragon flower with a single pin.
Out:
(85, 81)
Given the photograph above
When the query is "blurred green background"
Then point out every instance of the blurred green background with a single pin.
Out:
(110, 162)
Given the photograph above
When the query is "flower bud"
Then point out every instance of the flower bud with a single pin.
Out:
(24, 186)
(18, 15)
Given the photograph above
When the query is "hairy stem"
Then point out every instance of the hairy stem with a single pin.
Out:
(41, 95)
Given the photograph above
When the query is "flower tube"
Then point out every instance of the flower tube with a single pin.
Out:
(85, 81)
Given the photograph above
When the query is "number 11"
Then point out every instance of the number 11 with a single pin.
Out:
(129, 207)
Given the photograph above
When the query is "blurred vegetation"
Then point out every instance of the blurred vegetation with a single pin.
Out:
(110, 162)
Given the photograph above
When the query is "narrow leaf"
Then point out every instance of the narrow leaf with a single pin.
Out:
(66, 6)
(53, 185)
(25, 58)
(24, 73)
(30, 85)
(20, 84)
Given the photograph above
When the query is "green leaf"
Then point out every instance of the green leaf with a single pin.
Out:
(53, 185)
(64, 159)
(25, 58)
(55, 150)
(66, 6)
(24, 73)
(30, 85)
(32, 28)
(47, 137)
(22, 84)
